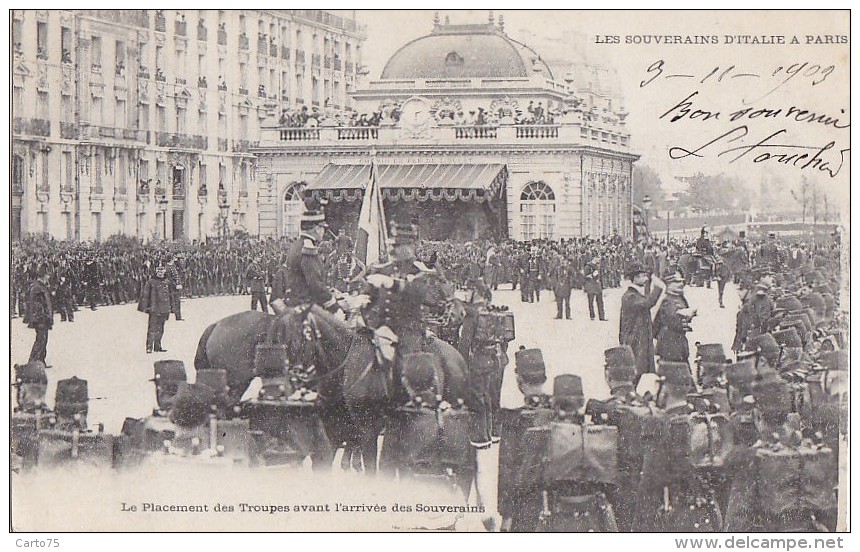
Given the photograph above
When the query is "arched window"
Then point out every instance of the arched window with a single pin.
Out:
(453, 58)
(293, 206)
(537, 211)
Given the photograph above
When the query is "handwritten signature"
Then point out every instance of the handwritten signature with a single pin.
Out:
(802, 157)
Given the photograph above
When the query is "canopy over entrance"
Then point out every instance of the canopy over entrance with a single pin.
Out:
(479, 182)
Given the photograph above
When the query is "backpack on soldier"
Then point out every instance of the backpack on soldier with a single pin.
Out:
(581, 452)
(58, 447)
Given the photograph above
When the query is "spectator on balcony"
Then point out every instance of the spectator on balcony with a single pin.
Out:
(222, 84)
(460, 119)
(222, 27)
(159, 74)
(261, 91)
(66, 56)
(120, 68)
(481, 118)
(143, 188)
(201, 82)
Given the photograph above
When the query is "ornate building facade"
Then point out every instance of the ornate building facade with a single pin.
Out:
(472, 136)
(142, 122)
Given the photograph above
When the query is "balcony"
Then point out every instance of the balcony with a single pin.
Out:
(291, 134)
(160, 21)
(285, 52)
(244, 42)
(178, 191)
(42, 53)
(222, 37)
(477, 131)
(357, 133)
(202, 33)
(135, 134)
(31, 127)
(135, 18)
(537, 131)
(160, 193)
(180, 28)
(562, 133)
(159, 76)
(242, 146)
(68, 131)
(182, 141)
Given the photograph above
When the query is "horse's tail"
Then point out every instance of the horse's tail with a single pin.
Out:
(201, 359)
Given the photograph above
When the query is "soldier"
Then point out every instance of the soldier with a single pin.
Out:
(63, 296)
(635, 327)
(255, 279)
(594, 292)
(155, 301)
(304, 273)
(31, 414)
(788, 484)
(574, 465)
(519, 504)
(523, 277)
(629, 412)
(92, 279)
(39, 315)
(174, 279)
(753, 316)
(672, 321)
(149, 434)
(674, 496)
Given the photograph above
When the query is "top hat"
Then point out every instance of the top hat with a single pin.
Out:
(710, 352)
(675, 373)
(403, 234)
(530, 366)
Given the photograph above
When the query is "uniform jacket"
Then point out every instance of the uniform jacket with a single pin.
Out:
(401, 306)
(255, 278)
(670, 330)
(40, 312)
(593, 285)
(305, 274)
(155, 297)
(635, 328)
(563, 280)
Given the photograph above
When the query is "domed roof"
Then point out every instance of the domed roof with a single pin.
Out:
(465, 51)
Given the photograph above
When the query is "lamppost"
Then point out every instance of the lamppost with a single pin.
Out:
(225, 212)
(646, 206)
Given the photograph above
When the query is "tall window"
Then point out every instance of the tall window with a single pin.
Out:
(292, 209)
(98, 167)
(46, 183)
(537, 211)
(180, 120)
(66, 44)
(17, 39)
(161, 115)
(42, 40)
(68, 113)
(18, 173)
(44, 106)
(68, 171)
(120, 116)
(96, 114)
(120, 57)
(97, 52)
(122, 175)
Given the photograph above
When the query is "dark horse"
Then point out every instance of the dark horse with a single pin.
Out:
(355, 390)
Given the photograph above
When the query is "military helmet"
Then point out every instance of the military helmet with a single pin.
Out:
(773, 398)
(530, 366)
(32, 372)
(765, 345)
(675, 373)
(168, 375)
(567, 392)
(72, 397)
(710, 352)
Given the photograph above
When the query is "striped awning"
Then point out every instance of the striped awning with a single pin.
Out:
(473, 182)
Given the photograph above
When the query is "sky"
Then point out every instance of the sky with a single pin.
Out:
(792, 80)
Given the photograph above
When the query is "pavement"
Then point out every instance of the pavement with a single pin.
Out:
(107, 348)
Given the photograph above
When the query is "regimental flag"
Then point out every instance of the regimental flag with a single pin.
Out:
(371, 244)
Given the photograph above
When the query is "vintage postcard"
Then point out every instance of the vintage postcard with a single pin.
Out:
(404, 270)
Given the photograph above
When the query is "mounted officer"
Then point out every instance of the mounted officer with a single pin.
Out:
(301, 280)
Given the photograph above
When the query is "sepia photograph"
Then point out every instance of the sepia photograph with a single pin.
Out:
(303, 270)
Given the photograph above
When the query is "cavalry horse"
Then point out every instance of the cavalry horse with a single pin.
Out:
(356, 390)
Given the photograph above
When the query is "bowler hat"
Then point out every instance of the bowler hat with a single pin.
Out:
(530, 366)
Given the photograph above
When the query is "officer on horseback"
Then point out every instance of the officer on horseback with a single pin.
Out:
(303, 273)
(397, 298)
